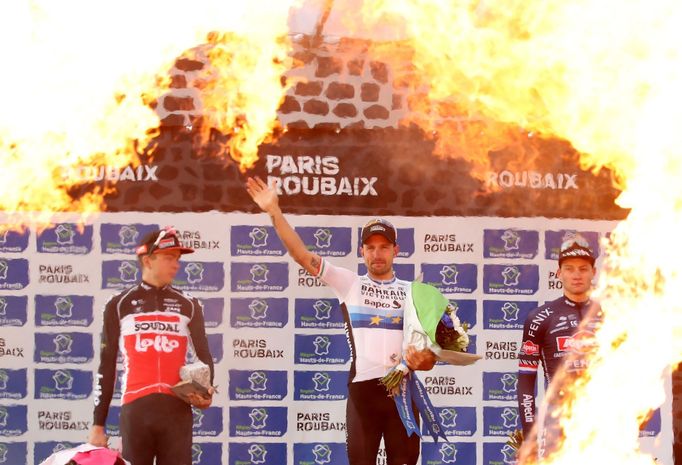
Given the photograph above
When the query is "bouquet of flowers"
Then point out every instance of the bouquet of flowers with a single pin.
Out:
(430, 322)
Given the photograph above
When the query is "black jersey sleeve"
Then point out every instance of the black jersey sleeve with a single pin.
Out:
(529, 360)
(106, 373)
(198, 333)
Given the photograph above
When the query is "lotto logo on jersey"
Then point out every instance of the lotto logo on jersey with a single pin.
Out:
(320, 453)
(258, 421)
(63, 310)
(13, 383)
(13, 453)
(207, 422)
(530, 348)
(123, 238)
(65, 238)
(582, 342)
(13, 310)
(13, 420)
(267, 453)
(14, 241)
(255, 241)
(498, 453)
(13, 274)
(444, 453)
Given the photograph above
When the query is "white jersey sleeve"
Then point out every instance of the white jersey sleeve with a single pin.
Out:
(339, 279)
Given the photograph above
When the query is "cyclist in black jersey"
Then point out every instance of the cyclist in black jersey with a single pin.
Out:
(152, 325)
(372, 305)
(559, 336)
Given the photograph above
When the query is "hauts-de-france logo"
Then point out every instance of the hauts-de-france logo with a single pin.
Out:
(511, 239)
(322, 344)
(509, 417)
(259, 309)
(128, 235)
(508, 454)
(4, 268)
(259, 237)
(128, 272)
(194, 272)
(63, 381)
(259, 273)
(4, 377)
(63, 307)
(510, 311)
(258, 418)
(257, 453)
(509, 382)
(323, 238)
(448, 417)
(321, 380)
(449, 274)
(65, 234)
(511, 275)
(511, 279)
(258, 381)
(62, 344)
(448, 453)
(196, 454)
(322, 309)
(3, 306)
(322, 454)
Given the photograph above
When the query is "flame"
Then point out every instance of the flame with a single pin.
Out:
(605, 76)
(81, 79)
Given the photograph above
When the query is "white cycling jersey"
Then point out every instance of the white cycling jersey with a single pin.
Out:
(373, 317)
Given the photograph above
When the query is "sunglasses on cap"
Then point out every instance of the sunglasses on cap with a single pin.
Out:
(573, 241)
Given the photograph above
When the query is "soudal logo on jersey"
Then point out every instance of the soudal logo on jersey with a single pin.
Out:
(321, 349)
(266, 453)
(451, 278)
(405, 239)
(554, 239)
(258, 421)
(582, 342)
(168, 325)
(206, 453)
(13, 273)
(42, 450)
(13, 420)
(320, 385)
(259, 277)
(500, 421)
(498, 453)
(200, 276)
(14, 453)
(207, 422)
(404, 271)
(120, 274)
(456, 421)
(213, 311)
(13, 310)
(63, 348)
(500, 386)
(13, 383)
(505, 314)
(14, 241)
(320, 453)
(63, 310)
(443, 453)
(215, 346)
(318, 314)
(63, 384)
(123, 238)
(258, 312)
(257, 384)
(652, 427)
(65, 238)
(511, 279)
(326, 241)
(465, 309)
(256, 241)
(530, 348)
(434, 243)
(510, 243)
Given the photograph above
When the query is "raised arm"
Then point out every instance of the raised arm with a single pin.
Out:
(266, 198)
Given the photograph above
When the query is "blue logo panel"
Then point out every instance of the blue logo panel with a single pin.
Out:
(258, 421)
(326, 242)
(267, 453)
(500, 386)
(259, 277)
(13, 274)
(14, 241)
(511, 279)
(405, 239)
(213, 311)
(42, 450)
(320, 453)
(456, 421)
(257, 312)
(505, 314)
(443, 453)
(554, 239)
(207, 453)
(63, 384)
(65, 238)
(215, 345)
(403, 271)
(13, 420)
(13, 383)
(123, 238)
(13, 310)
(120, 274)
(510, 243)
(465, 311)
(500, 421)
(320, 385)
(112, 422)
(63, 348)
(258, 384)
(14, 453)
(200, 276)
(652, 427)
(318, 314)
(208, 422)
(498, 453)
(63, 310)
(322, 349)
(255, 241)
(451, 278)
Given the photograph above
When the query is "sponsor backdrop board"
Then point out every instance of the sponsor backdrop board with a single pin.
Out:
(275, 332)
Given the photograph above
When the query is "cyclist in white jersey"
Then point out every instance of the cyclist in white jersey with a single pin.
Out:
(372, 306)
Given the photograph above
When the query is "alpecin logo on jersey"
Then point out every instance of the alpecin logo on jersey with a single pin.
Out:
(320, 453)
(267, 453)
(63, 310)
(255, 241)
(123, 238)
(14, 241)
(510, 243)
(451, 278)
(257, 384)
(511, 279)
(259, 312)
(320, 385)
(259, 277)
(258, 421)
(13, 383)
(13, 310)
(326, 241)
(65, 238)
(582, 342)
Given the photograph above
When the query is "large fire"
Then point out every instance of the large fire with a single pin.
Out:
(605, 76)
(84, 77)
